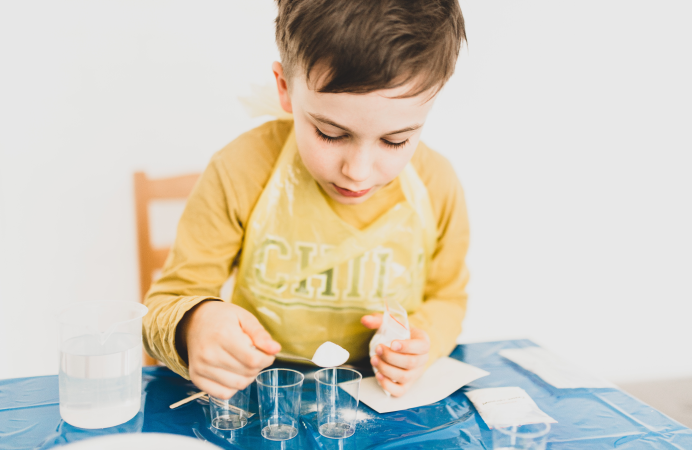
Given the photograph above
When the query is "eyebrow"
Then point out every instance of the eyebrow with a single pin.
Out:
(325, 120)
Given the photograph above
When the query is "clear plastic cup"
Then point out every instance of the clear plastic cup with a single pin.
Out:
(337, 401)
(521, 437)
(100, 374)
(278, 395)
(230, 414)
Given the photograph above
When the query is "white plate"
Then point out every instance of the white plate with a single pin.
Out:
(141, 441)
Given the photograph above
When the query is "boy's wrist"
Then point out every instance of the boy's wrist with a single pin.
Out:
(181, 330)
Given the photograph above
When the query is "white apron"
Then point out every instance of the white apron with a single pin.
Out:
(309, 277)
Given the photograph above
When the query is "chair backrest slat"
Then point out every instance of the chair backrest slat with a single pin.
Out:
(147, 190)
(175, 187)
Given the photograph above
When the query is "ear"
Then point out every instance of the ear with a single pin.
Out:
(282, 86)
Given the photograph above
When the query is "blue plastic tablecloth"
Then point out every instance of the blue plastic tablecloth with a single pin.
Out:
(587, 418)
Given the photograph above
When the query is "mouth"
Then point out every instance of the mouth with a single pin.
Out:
(349, 193)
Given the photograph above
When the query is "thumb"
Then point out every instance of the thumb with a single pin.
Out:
(372, 321)
(260, 338)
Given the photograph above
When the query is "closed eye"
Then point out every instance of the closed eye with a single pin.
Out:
(395, 145)
(334, 139)
(329, 139)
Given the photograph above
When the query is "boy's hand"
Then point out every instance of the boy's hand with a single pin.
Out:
(402, 364)
(219, 339)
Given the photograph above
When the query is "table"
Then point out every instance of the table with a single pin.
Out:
(587, 418)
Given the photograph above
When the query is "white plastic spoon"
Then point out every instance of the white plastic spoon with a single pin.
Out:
(327, 355)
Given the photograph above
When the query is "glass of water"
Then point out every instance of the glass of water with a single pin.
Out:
(521, 437)
(337, 401)
(278, 395)
(230, 414)
(100, 373)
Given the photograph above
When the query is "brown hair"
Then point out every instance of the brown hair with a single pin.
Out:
(359, 46)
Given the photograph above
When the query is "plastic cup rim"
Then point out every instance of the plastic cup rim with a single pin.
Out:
(221, 403)
(302, 378)
(218, 401)
(357, 380)
(505, 429)
(67, 308)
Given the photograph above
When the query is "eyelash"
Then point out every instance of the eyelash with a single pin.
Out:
(328, 139)
(393, 145)
(331, 140)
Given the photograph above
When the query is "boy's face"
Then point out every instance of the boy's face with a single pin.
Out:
(353, 144)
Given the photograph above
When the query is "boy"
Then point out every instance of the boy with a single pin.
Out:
(329, 214)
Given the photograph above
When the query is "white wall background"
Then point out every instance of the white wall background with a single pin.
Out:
(568, 123)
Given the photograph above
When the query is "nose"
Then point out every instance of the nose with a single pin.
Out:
(357, 164)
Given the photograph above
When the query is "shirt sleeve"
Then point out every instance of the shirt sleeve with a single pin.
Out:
(207, 241)
(444, 305)
(209, 236)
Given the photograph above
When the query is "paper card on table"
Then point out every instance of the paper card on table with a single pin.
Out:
(442, 379)
(507, 406)
(552, 369)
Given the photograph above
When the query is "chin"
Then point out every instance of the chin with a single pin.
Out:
(351, 201)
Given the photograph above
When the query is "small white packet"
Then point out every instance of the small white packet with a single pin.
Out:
(507, 406)
(553, 369)
(394, 327)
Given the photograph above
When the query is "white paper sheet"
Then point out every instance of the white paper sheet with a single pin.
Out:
(507, 406)
(554, 370)
(441, 380)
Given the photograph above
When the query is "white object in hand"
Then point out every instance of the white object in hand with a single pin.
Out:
(394, 326)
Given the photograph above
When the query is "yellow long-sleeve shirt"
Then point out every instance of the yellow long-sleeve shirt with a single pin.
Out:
(211, 230)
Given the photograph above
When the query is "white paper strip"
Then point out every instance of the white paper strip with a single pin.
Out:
(507, 406)
(442, 379)
(554, 370)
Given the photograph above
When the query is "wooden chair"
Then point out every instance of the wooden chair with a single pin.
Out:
(152, 259)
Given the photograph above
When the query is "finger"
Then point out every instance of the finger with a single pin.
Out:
(397, 390)
(215, 389)
(396, 374)
(241, 356)
(259, 336)
(247, 366)
(225, 378)
(234, 354)
(372, 321)
(401, 360)
(417, 333)
(219, 383)
(234, 340)
(411, 346)
(256, 359)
